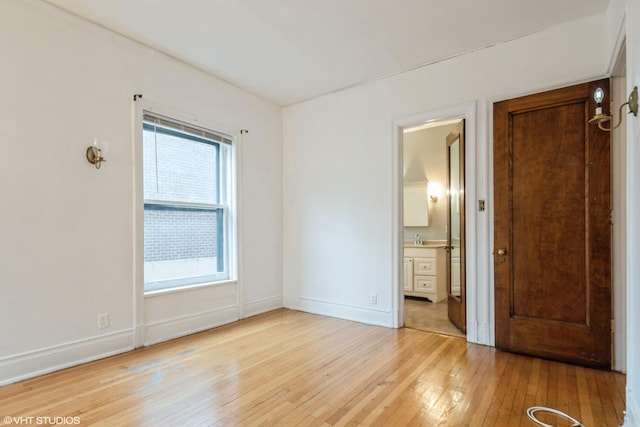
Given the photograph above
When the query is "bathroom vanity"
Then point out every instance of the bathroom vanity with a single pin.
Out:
(425, 271)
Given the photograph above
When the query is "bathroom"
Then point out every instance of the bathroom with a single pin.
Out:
(431, 256)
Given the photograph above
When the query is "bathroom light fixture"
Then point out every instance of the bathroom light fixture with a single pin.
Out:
(97, 151)
(600, 118)
(435, 190)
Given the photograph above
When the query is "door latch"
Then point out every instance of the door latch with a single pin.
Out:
(501, 253)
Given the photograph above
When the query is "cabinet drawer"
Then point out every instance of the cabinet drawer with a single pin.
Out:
(424, 266)
(425, 284)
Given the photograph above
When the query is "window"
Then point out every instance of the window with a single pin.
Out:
(186, 175)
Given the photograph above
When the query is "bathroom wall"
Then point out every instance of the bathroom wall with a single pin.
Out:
(425, 159)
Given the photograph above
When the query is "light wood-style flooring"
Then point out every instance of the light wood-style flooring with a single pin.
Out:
(422, 314)
(288, 368)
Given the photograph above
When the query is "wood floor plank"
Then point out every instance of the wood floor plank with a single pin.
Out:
(288, 368)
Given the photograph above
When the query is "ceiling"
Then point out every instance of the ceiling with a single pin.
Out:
(287, 51)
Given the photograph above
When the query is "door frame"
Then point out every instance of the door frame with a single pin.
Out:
(479, 298)
(619, 190)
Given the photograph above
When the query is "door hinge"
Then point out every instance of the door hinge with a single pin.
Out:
(611, 216)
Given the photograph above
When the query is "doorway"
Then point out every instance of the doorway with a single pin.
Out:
(433, 227)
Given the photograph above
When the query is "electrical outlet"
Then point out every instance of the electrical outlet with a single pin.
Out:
(103, 320)
(373, 299)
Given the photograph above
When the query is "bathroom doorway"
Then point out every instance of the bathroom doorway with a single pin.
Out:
(433, 227)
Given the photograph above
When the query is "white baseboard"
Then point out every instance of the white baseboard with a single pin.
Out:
(472, 331)
(632, 412)
(484, 335)
(342, 311)
(175, 327)
(30, 364)
(262, 306)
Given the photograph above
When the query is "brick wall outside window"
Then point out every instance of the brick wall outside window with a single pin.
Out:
(179, 170)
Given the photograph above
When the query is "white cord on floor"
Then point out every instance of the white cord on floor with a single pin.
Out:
(531, 411)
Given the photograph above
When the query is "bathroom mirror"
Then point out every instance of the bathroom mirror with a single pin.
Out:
(416, 208)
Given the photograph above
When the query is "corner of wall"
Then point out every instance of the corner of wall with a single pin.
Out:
(615, 33)
(262, 306)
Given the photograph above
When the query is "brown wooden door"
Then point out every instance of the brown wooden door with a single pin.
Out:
(552, 240)
(456, 292)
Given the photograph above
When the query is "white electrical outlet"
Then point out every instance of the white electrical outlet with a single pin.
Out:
(373, 299)
(103, 320)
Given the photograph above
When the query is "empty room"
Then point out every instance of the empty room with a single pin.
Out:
(319, 213)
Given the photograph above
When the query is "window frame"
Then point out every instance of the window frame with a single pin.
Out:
(226, 164)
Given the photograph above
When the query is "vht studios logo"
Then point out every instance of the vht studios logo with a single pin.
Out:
(41, 420)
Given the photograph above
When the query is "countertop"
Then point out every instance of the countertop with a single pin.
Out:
(425, 244)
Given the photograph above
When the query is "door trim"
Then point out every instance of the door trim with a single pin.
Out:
(479, 299)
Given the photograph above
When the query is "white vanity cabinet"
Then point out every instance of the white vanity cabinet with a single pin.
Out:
(408, 274)
(427, 275)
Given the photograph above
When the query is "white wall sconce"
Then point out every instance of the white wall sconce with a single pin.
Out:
(435, 190)
(600, 118)
(97, 151)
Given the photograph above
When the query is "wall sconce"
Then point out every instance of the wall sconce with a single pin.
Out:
(600, 118)
(434, 190)
(97, 151)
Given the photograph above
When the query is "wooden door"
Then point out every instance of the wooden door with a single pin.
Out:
(456, 292)
(552, 240)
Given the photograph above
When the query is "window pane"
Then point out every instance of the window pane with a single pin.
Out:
(184, 226)
(181, 246)
(179, 167)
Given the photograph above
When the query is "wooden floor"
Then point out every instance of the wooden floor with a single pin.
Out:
(287, 368)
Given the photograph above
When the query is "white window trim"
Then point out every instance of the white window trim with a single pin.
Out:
(224, 161)
(233, 219)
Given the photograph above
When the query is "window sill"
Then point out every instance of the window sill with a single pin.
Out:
(188, 288)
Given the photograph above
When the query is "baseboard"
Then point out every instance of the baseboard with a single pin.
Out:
(484, 336)
(262, 306)
(176, 327)
(342, 311)
(31, 364)
(632, 412)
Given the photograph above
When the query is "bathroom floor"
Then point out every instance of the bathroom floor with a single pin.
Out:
(424, 315)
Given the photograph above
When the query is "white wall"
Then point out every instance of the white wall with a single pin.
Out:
(339, 244)
(66, 245)
(623, 20)
(632, 29)
(425, 159)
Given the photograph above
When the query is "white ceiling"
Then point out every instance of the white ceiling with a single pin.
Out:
(287, 51)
